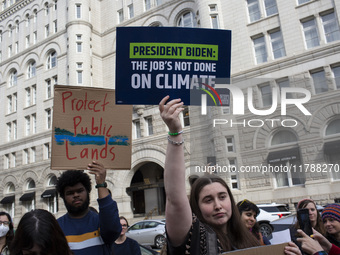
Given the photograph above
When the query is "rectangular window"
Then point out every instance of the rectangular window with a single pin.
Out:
(271, 7)
(120, 16)
(16, 47)
(9, 104)
(159, 2)
(260, 50)
(214, 21)
(303, 1)
(147, 4)
(79, 47)
(7, 162)
(266, 94)
(138, 132)
(330, 27)
(284, 84)
(230, 144)
(254, 10)
(27, 41)
(186, 119)
(47, 30)
(336, 74)
(26, 157)
(13, 160)
(33, 155)
(278, 46)
(48, 88)
(55, 26)
(79, 77)
(320, 82)
(310, 31)
(149, 125)
(15, 102)
(35, 37)
(131, 11)
(233, 175)
(34, 95)
(78, 11)
(289, 178)
(9, 131)
(52, 204)
(47, 152)
(9, 51)
(28, 96)
(15, 130)
(34, 124)
(48, 118)
(28, 125)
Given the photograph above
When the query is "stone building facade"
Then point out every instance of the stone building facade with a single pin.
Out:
(275, 43)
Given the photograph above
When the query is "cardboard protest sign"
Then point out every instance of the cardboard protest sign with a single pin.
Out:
(277, 249)
(153, 62)
(87, 126)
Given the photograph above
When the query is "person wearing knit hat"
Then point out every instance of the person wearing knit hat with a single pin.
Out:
(314, 217)
(331, 221)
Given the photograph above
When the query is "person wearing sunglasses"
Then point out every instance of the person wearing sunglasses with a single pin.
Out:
(125, 245)
(6, 233)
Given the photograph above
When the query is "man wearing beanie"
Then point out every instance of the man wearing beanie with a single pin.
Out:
(331, 220)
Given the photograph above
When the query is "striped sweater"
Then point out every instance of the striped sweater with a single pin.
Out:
(94, 233)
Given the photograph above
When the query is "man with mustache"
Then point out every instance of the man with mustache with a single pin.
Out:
(88, 232)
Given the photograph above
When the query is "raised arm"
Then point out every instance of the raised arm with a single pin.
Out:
(178, 211)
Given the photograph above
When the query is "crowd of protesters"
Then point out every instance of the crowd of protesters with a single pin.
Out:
(208, 223)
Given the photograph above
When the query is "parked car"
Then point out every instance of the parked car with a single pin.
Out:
(148, 232)
(286, 222)
(268, 213)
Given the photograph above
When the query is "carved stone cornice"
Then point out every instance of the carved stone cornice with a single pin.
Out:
(14, 8)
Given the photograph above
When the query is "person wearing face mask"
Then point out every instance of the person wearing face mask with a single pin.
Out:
(6, 233)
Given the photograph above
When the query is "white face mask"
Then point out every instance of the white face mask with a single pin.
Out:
(3, 230)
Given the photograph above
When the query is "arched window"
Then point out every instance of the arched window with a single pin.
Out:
(35, 16)
(288, 157)
(8, 202)
(283, 137)
(31, 69)
(13, 78)
(17, 26)
(186, 20)
(156, 24)
(333, 128)
(30, 184)
(10, 188)
(47, 9)
(51, 60)
(28, 20)
(52, 181)
(332, 148)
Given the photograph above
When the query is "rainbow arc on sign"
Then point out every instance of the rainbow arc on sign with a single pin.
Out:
(210, 94)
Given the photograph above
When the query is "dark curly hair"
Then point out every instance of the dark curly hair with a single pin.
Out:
(71, 178)
(10, 234)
